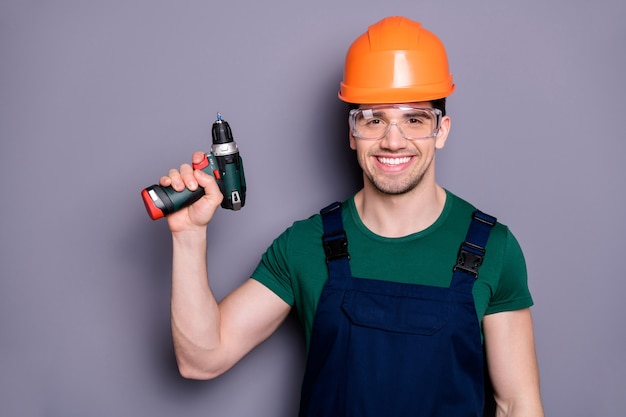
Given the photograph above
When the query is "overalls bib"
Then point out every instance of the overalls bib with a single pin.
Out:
(389, 349)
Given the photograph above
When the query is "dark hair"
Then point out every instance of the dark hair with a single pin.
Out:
(439, 103)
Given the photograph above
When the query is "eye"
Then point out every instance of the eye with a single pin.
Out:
(373, 122)
(414, 121)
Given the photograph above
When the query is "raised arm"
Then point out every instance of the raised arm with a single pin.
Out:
(512, 363)
(210, 337)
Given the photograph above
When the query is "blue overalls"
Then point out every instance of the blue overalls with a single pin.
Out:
(389, 349)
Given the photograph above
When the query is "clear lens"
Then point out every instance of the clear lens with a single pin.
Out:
(414, 123)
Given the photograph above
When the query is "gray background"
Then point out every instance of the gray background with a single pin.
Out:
(99, 99)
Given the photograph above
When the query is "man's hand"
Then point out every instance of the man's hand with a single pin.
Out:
(199, 214)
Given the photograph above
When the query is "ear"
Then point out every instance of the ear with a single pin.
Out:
(352, 142)
(352, 139)
(442, 135)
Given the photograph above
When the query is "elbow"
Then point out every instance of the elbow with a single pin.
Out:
(196, 375)
(193, 372)
(200, 363)
(525, 406)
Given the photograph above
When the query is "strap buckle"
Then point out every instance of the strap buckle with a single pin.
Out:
(471, 253)
(335, 241)
(336, 246)
(469, 259)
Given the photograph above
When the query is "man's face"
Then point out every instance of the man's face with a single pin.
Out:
(394, 164)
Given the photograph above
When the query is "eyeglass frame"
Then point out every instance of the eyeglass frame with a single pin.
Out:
(352, 121)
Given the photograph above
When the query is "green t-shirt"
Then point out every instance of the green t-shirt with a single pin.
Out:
(294, 266)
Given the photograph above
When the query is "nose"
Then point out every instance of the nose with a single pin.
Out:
(394, 138)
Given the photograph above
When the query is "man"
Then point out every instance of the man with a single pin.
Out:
(397, 318)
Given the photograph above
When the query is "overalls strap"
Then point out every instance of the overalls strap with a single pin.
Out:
(472, 251)
(335, 241)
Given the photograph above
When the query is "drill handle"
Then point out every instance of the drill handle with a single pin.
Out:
(161, 201)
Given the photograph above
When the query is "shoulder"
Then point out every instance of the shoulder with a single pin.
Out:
(460, 213)
(300, 240)
(503, 275)
(504, 254)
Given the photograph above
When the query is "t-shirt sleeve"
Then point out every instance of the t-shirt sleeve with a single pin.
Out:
(512, 292)
(273, 270)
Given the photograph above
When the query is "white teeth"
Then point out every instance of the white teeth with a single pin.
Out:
(394, 161)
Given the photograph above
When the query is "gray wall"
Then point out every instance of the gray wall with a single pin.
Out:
(99, 99)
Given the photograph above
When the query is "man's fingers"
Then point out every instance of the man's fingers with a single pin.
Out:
(210, 185)
(186, 173)
(183, 177)
(197, 157)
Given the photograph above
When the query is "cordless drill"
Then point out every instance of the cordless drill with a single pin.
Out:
(223, 163)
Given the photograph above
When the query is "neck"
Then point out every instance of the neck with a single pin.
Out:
(402, 214)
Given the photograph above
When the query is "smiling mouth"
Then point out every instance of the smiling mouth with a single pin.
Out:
(394, 161)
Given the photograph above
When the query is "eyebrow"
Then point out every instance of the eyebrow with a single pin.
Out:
(369, 113)
(416, 113)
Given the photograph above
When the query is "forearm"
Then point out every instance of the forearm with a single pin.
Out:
(195, 315)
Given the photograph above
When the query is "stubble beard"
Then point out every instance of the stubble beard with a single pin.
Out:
(397, 186)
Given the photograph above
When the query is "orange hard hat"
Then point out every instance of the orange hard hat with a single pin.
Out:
(396, 61)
